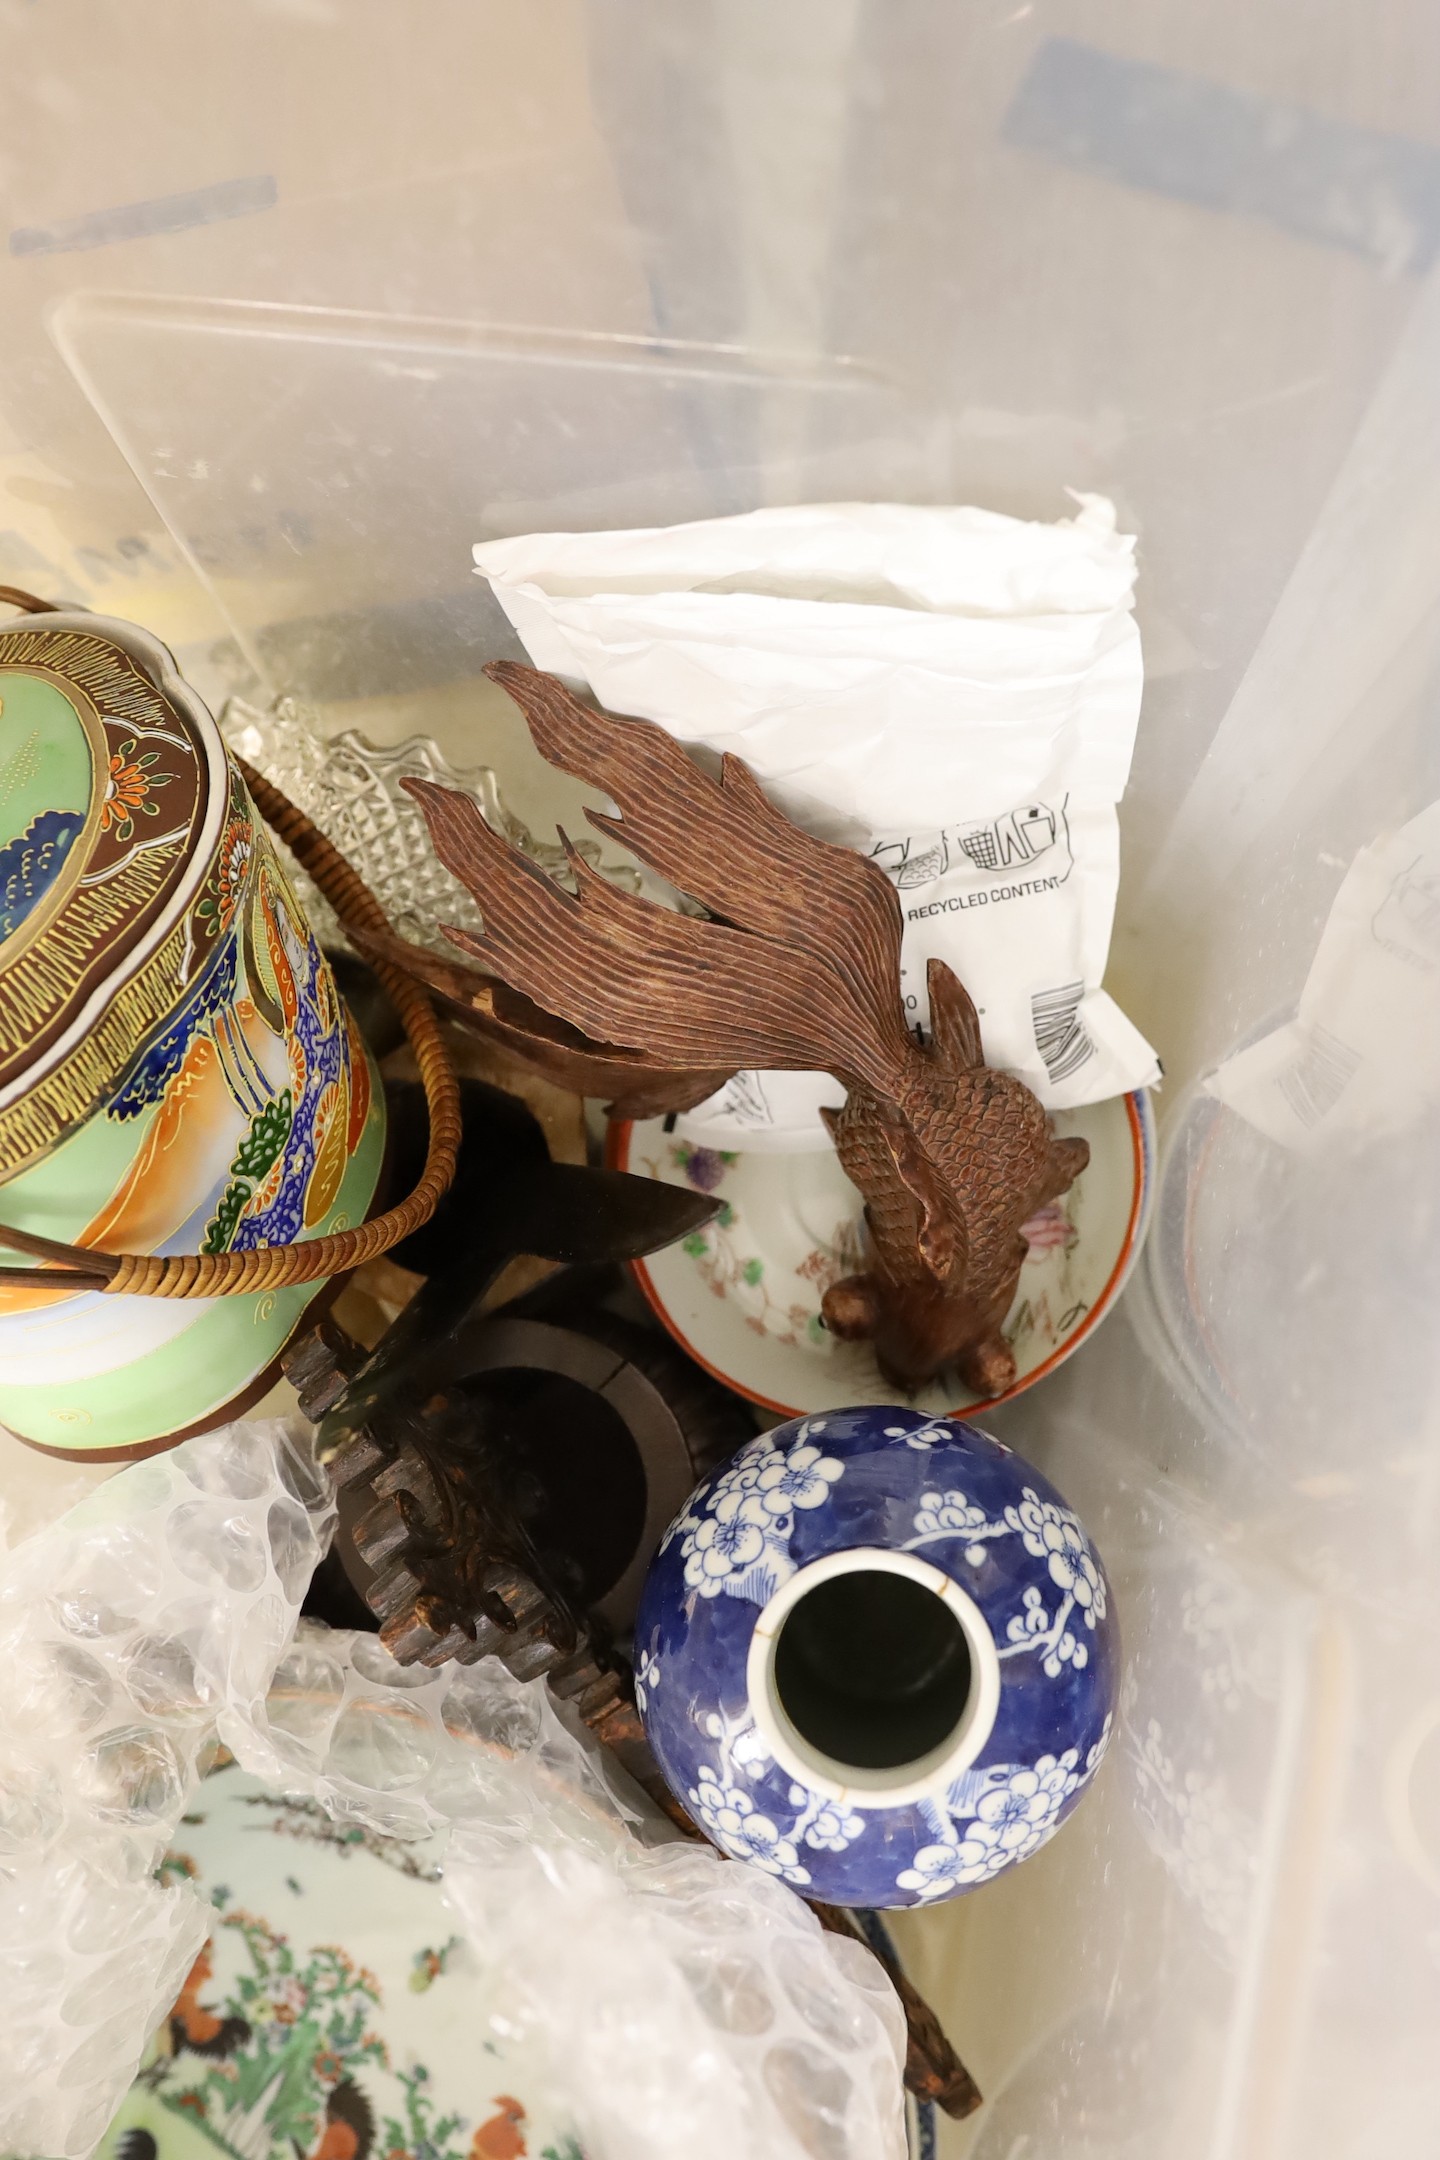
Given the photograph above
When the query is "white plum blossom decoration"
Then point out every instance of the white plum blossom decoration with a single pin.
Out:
(1056, 1535)
(1035, 1628)
(730, 1817)
(740, 1740)
(1053, 1534)
(935, 1434)
(1096, 1755)
(951, 1515)
(726, 1542)
(825, 1825)
(738, 1541)
(801, 1479)
(1049, 1532)
(647, 1678)
(932, 1871)
(1012, 1820)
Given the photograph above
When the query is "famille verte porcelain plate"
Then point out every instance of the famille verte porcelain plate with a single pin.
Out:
(334, 2013)
(743, 1295)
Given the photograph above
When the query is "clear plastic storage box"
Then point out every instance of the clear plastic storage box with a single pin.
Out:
(301, 298)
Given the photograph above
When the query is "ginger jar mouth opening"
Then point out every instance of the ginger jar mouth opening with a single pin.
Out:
(877, 1657)
(873, 1678)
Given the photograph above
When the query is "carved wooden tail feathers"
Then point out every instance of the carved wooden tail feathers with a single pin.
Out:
(796, 967)
(629, 1084)
(800, 968)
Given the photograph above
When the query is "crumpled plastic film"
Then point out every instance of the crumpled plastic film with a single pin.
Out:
(691, 2005)
(683, 2002)
(129, 1630)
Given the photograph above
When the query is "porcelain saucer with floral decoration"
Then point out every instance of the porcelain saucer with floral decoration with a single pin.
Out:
(743, 1295)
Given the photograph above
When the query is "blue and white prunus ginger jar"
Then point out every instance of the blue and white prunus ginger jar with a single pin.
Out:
(877, 1657)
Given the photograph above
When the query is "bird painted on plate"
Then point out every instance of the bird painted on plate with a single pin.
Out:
(501, 2138)
(192, 2025)
(348, 2130)
(135, 2145)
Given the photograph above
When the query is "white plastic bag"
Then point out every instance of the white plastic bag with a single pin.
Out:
(953, 691)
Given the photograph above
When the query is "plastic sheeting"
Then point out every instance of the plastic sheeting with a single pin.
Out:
(670, 1995)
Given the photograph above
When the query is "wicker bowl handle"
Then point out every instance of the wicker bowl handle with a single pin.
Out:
(12, 596)
(187, 1275)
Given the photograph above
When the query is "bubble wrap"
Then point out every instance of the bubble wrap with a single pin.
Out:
(685, 2003)
(131, 1631)
(691, 2005)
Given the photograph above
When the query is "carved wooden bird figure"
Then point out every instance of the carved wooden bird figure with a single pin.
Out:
(795, 965)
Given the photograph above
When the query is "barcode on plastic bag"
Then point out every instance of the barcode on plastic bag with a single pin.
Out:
(1318, 1076)
(1059, 1037)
